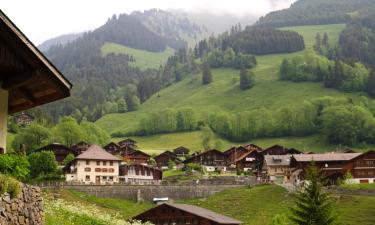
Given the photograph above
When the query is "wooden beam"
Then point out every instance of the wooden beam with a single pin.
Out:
(20, 79)
(39, 101)
(27, 95)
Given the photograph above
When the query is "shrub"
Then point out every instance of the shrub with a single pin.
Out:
(43, 164)
(14, 165)
(9, 185)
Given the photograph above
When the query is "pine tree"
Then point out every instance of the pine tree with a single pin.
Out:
(371, 84)
(313, 206)
(284, 70)
(325, 40)
(206, 76)
(318, 43)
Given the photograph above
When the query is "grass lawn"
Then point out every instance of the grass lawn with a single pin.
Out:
(224, 94)
(143, 59)
(253, 206)
(359, 186)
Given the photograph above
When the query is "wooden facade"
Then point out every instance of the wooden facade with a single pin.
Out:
(184, 214)
(280, 150)
(136, 157)
(24, 119)
(60, 151)
(163, 159)
(212, 159)
(112, 148)
(80, 147)
(251, 161)
(139, 172)
(181, 151)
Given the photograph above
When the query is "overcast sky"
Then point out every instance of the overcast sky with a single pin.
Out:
(44, 19)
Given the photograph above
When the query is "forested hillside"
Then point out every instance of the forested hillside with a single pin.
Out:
(309, 12)
(62, 39)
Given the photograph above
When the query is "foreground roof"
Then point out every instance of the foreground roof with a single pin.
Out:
(97, 153)
(30, 78)
(204, 213)
(326, 157)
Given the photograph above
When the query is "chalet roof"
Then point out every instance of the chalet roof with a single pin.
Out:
(252, 146)
(112, 143)
(95, 152)
(168, 153)
(142, 165)
(128, 140)
(246, 155)
(139, 152)
(30, 78)
(181, 148)
(54, 146)
(326, 157)
(204, 213)
(277, 160)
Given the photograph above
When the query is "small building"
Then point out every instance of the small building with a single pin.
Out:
(60, 151)
(27, 78)
(169, 213)
(128, 143)
(24, 119)
(136, 157)
(334, 166)
(163, 159)
(212, 160)
(276, 168)
(94, 166)
(140, 174)
(280, 150)
(235, 153)
(250, 162)
(80, 147)
(112, 148)
(181, 151)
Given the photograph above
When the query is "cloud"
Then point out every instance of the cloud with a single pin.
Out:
(43, 19)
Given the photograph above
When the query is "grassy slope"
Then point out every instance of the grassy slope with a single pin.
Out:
(143, 59)
(255, 206)
(224, 94)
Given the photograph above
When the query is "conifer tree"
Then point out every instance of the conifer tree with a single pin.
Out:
(284, 70)
(313, 206)
(371, 84)
(246, 79)
(206, 76)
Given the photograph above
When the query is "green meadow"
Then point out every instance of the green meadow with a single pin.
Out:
(224, 94)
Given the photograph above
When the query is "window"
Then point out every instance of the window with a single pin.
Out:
(104, 170)
(111, 163)
(98, 170)
(111, 178)
(370, 163)
(111, 170)
(87, 162)
(87, 178)
(87, 169)
(98, 163)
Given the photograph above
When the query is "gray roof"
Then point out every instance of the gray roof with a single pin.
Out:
(95, 152)
(326, 157)
(277, 160)
(205, 213)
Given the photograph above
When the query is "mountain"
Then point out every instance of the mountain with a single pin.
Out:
(59, 40)
(309, 12)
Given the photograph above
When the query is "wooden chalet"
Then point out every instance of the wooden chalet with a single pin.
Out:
(181, 151)
(24, 119)
(235, 153)
(280, 150)
(336, 165)
(212, 160)
(27, 78)
(112, 148)
(80, 147)
(276, 168)
(250, 162)
(60, 151)
(139, 174)
(136, 157)
(169, 213)
(253, 147)
(128, 142)
(163, 159)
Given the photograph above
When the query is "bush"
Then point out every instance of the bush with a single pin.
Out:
(14, 165)
(43, 164)
(9, 185)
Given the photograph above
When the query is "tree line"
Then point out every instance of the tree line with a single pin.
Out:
(306, 12)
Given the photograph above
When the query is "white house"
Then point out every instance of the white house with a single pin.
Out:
(95, 165)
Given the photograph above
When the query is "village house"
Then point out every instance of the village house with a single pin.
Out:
(59, 150)
(276, 168)
(163, 159)
(139, 174)
(128, 143)
(334, 166)
(250, 162)
(169, 213)
(95, 165)
(136, 157)
(112, 148)
(80, 147)
(252, 147)
(24, 119)
(181, 151)
(212, 160)
(280, 150)
(27, 78)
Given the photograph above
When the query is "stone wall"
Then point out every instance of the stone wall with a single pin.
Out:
(148, 192)
(27, 209)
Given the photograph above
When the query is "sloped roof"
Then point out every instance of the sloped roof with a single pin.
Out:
(326, 157)
(97, 153)
(202, 212)
(277, 160)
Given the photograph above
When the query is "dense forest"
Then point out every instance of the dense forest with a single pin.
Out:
(310, 12)
(357, 41)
